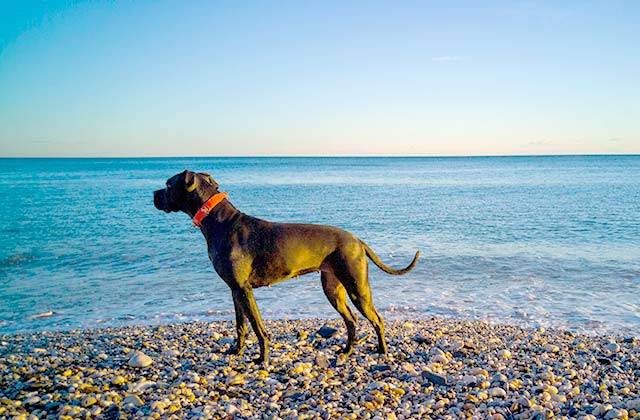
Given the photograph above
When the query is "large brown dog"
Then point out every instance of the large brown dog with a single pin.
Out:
(247, 253)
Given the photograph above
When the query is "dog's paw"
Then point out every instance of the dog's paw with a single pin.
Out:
(236, 349)
(261, 361)
(346, 351)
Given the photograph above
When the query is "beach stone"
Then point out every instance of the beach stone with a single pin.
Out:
(322, 361)
(434, 377)
(616, 413)
(505, 353)
(141, 386)
(497, 392)
(140, 360)
(118, 380)
(601, 409)
(89, 401)
(551, 348)
(380, 368)
(470, 380)
(440, 358)
(327, 332)
(613, 347)
(422, 339)
(523, 402)
(235, 379)
(31, 400)
(132, 399)
(170, 353)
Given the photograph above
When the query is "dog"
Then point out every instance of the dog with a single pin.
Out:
(248, 253)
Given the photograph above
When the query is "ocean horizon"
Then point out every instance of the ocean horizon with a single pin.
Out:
(549, 241)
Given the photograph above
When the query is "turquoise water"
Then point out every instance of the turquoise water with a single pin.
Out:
(548, 241)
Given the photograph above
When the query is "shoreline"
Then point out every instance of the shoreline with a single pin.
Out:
(437, 368)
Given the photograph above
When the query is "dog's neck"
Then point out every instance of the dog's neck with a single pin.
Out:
(218, 218)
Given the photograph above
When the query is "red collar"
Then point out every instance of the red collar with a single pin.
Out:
(207, 207)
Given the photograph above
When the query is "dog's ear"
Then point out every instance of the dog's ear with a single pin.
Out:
(209, 179)
(190, 181)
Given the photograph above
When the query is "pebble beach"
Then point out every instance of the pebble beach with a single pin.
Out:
(437, 368)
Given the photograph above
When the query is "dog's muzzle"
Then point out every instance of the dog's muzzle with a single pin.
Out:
(160, 200)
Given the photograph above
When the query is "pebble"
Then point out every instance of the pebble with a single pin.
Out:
(434, 377)
(133, 399)
(505, 353)
(613, 347)
(31, 400)
(497, 392)
(140, 360)
(170, 353)
(235, 379)
(322, 361)
(327, 332)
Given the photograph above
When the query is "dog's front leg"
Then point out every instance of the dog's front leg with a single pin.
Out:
(241, 328)
(250, 307)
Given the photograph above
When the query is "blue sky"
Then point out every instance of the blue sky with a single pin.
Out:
(157, 78)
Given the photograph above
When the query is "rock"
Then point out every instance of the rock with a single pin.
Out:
(89, 401)
(140, 360)
(232, 411)
(376, 385)
(132, 399)
(499, 378)
(613, 347)
(235, 379)
(505, 353)
(440, 358)
(118, 380)
(170, 353)
(380, 368)
(497, 392)
(422, 339)
(616, 413)
(141, 386)
(31, 400)
(327, 332)
(470, 380)
(551, 348)
(434, 378)
(322, 361)
(601, 409)
(523, 402)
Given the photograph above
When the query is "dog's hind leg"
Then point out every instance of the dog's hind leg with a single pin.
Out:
(241, 327)
(355, 277)
(337, 296)
(250, 307)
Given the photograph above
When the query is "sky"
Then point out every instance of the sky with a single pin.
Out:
(318, 78)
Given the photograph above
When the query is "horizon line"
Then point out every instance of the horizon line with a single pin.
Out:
(323, 156)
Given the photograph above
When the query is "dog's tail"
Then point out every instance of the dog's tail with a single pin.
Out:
(376, 260)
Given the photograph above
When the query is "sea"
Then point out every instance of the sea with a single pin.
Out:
(551, 242)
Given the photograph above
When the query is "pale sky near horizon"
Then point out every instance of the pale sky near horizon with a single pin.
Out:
(170, 78)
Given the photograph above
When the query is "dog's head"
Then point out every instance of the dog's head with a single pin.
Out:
(186, 192)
